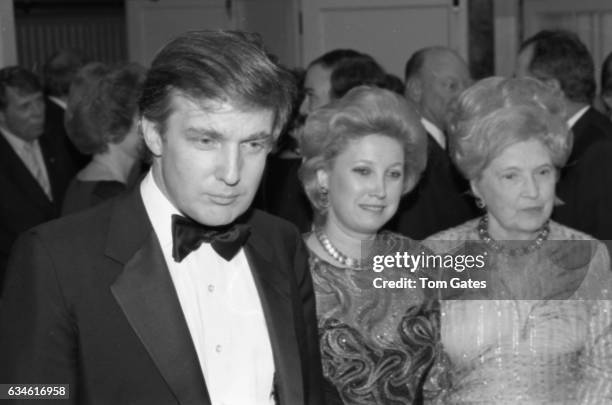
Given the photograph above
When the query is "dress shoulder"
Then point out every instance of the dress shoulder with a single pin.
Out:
(452, 238)
(562, 232)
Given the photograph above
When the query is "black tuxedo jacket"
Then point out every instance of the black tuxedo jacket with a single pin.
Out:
(24, 204)
(89, 301)
(55, 128)
(439, 201)
(585, 184)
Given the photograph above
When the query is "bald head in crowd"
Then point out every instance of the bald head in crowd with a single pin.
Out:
(434, 76)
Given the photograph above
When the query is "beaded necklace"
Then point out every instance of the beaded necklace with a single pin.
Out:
(483, 233)
(336, 254)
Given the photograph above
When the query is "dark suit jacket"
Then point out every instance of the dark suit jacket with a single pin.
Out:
(439, 201)
(24, 204)
(585, 185)
(55, 128)
(89, 301)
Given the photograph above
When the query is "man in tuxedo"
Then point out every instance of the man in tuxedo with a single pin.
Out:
(34, 173)
(176, 293)
(560, 59)
(58, 72)
(434, 77)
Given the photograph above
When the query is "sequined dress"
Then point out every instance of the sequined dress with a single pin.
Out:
(540, 334)
(376, 343)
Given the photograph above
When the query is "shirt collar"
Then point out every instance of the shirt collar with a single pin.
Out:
(435, 132)
(574, 118)
(16, 142)
(58, 101)
(159, 209)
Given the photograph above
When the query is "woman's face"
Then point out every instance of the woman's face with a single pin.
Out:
(518, 189)
(365, 184)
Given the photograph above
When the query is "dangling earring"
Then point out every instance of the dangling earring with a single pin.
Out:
(558, 201)
(480, 204)
(323, 196)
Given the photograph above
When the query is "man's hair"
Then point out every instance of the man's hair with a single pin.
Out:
(349, 69)
(18, 78)
(394, 83)
(362, 70)
(415, 63)
(60, 69)
(560, 55)
(217, 66)
(331, 59)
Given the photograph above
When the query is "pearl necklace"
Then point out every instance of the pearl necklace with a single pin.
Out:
(536, 244)
(340, 257)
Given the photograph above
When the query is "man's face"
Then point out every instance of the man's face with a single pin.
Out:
(24, 114)
(443, 77)
(523, 61)
(210, 160)
(317, 86)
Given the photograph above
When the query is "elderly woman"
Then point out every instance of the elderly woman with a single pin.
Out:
(361, 153)
(536, 328)
(101, 119)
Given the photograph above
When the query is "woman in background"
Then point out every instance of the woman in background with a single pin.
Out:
(328, 78)
(361, 153)
(101, 119)
(540, 332)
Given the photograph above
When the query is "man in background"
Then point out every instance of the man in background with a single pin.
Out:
(34, 172)
(560, 59)
(434, 77)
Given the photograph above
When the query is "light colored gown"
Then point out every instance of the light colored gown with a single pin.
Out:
(541, 333)
(376, 344)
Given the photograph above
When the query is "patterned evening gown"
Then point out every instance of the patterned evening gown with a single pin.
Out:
(539, 334)
(376, 344)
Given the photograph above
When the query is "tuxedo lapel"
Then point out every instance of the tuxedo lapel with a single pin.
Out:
(52, 163)
(17, 170)
(275, 295)
(581, 137)
(146, 294)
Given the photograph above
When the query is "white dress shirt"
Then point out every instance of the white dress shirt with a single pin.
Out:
(435, 132)
(31, 156)
(223, 312)
(572, 120)
(59, 102)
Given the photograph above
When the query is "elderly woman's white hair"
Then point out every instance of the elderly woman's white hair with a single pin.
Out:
(498, 112)
(361, 112)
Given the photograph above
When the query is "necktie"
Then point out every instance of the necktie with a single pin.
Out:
(188, 235)
(34, 166)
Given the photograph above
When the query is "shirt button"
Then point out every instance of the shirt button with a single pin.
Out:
(211, 288)
(218, 348)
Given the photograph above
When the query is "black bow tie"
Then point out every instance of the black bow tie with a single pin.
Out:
(188, 235)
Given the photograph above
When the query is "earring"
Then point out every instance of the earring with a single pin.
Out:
(480, 204)
(558, 201)
(323, 196)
